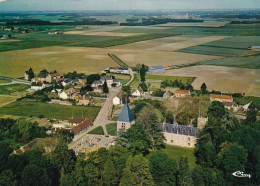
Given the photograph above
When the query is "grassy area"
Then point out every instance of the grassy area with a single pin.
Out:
(98, 130)
(123, 78)
(13, 88)
(245, 100)
(112, 129)
(4, 81)
(176, 152)
(21, 45)
(243, 62)
(123, 40)
(162, 77)
(53, 111)
(4, 100)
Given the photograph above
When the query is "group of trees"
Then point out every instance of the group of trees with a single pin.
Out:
(20, 131)
(227, 145)
(177, 83)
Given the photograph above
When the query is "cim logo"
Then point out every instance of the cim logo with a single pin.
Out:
(241, 174)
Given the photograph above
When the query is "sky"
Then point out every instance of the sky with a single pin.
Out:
(38, 5)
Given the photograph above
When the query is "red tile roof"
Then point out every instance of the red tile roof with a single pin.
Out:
(84, 125)
(220, 96)
(186, 92)
(76, 120)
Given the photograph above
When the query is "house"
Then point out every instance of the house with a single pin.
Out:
(125, 119)
(56, 76)
(180, 135)
(167, 94)
(182, 93)
(97, 84)
(83, 81)
(256, 48)
(231, 106)
(37, 86)
(117, 100)
(5, 37)
(108, 79)
(221, 98)
(8, 29)
(67, 82)
(67, 94)
(116, 83)
(86, 99)
(157, 68)
(26, 75)
(57, 88)
(43, 77)
(85, 124)
(137, 93)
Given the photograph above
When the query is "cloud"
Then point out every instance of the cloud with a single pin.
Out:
(2, 0)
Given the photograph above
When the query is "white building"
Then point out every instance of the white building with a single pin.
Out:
(137, 93)
(37, 86)
(117, 100)
(67, 94)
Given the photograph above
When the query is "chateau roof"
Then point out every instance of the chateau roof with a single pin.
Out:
(180, 129)
(126, 115)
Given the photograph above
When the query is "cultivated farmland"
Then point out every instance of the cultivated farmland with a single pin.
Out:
(225, 79)
(4, 100)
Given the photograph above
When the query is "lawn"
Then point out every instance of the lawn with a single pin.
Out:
(98, 130)
(123, 78)
(176, 152)
(13, 88)
(53, 111)
(112, 129)
(4, 100)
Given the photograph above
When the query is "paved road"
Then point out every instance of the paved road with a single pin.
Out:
(14, 81)
(101, 119)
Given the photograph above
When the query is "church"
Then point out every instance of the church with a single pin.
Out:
(125, 119)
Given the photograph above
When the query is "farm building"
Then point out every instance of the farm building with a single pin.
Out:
(221, 98)
(85, 124)
(44, 77)
(120, 70)
(157, 68)
(180, 135)
(137, 93)
(67, 94)
(37, 86)
(86, 100)
(182, 93)
(125, 119)
(256, 48)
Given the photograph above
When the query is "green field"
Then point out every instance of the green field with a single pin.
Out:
(4, 81)
(245, 100)
(243, 62)
(112, 129)
(13, 88)
(215, 51)
(176, 152)
(98, 130)
(6, 99)
(122, 40)
(52, 111)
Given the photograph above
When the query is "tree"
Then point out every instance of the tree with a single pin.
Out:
(137, 172)
(184, 172)
(216, 109)
(34, 175)
(143, 86)
(109, 174)
(8, 178)
(92, 77)
(150, 120)
(163, 168)
(66, 180)
(203, 88)
(91, 173)
(142, 73)
(251, 114)
(31, 74)
(197, 176)
(105, 87)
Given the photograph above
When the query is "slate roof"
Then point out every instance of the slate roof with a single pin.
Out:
(126, 115)
(180, 129)
(97, 82)
(115, 80)
(106, 78)
(36, 84)
(43, 75)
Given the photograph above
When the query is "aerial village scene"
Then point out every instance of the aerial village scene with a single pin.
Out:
(142, 92)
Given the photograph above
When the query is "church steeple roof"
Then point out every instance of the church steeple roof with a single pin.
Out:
(126, 115)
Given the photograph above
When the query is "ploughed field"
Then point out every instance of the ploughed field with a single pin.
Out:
(219, 51)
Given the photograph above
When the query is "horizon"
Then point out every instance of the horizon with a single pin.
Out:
(124, 5)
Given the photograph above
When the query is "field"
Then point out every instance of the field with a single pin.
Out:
(13, 89)
(86, 60)
(225, 79)
(98, 130)
(112, 129)
(52, 111)
(2, 81)
(176, 152)
(213, 24)
(4, 100)
(91, 33)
